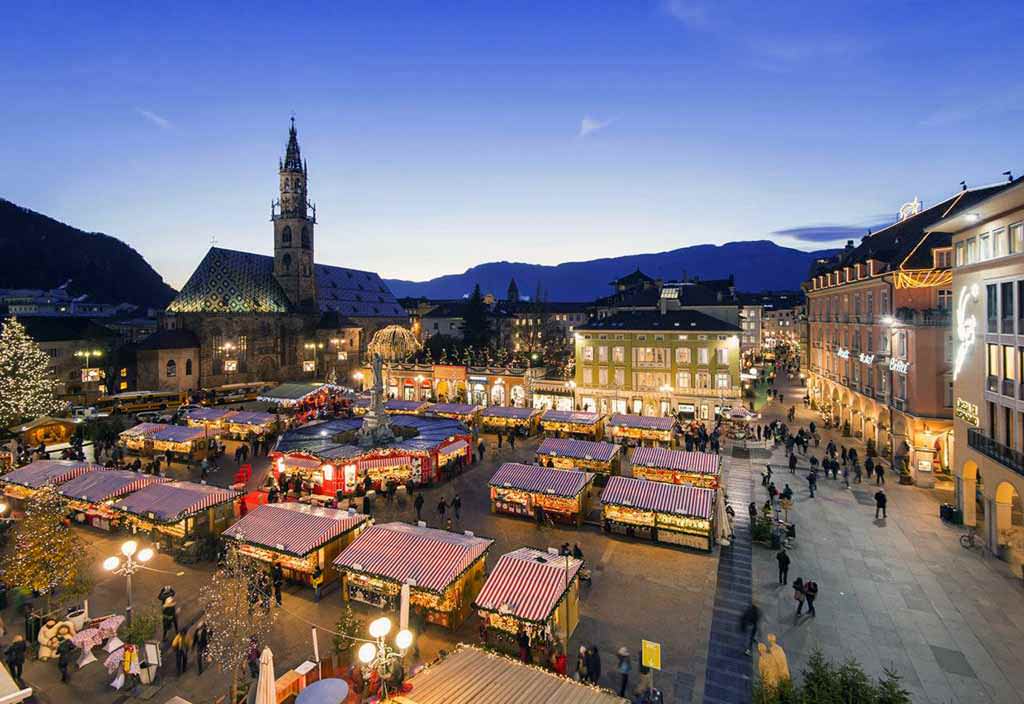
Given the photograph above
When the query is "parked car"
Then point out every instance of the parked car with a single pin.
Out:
(86, 412)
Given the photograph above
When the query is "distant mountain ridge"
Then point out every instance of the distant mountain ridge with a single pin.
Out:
(758, 265)
(44, 253)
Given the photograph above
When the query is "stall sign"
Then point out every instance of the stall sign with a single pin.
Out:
(309, 366)
(650, 654)
(899, 365)
(417, 470)
(91, 375)
(230, 365)
(966, 411)
(687, 407)
(350, 476)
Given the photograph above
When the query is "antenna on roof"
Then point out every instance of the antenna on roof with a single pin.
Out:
(963, 185)
(1008, 175)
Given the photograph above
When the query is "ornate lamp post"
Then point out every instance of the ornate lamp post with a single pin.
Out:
(379, 655)
(132, 563)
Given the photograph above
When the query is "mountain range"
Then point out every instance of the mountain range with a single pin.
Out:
(44, 253)
(758, 265)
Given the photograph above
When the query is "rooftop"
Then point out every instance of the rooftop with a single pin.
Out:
(673, 321)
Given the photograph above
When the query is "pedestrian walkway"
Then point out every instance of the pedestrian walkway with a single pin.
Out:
(728, 675)
(897, 593)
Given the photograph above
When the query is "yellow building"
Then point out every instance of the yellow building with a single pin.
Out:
(658, 363)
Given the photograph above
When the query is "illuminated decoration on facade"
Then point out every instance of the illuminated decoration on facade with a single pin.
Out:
(909, 210)
(309, 366)
(842, 353)
(899, 365)
(966, 327)
(923, 279)
(966, 411)
(867, 358)
(230, 365)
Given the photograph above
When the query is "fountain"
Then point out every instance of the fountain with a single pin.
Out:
(390, 344)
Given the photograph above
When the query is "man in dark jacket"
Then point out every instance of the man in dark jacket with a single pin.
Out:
(782, 557)
(749, 622)
(277, 576)
(880, 501)
(15, 656)
(64, 658)
(418, 503)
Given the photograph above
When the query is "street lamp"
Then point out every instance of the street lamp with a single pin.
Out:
(133, 562)
(88, 354)
(378, 655)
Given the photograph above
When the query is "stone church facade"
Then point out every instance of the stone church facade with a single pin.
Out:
(285, 317)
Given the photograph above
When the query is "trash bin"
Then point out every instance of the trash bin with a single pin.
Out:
(946, 512)
(956, 516)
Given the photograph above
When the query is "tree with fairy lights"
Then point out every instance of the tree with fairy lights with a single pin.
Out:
(46, 555)
(238, 613)
(27, 390)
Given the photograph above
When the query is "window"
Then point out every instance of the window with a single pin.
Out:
(947, 397)
(883, 305)
(602, 354)
(306, 239)
(588, 376)
(943, 258)
(901, 344)
(972, 251)
(188, 367)
(993, 366)
(945, 298)
(286, 260)
(650, 356)
(999, 243)
(286, 235)
(683, 380)
(1016, 239)
(620, 377)
(703, 380)
(961, 257)
(1006, 300)
(172, 368)
(991, 308)
(124, 372)
(722, 355)
(869, 308)
(702, 355)
(721, 381)
(683, 355)
(901, 387)
(619, 354)
(602, 376)
(588, 354)
(985, 249)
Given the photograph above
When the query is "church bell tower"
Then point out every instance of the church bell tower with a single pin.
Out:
(294, 217)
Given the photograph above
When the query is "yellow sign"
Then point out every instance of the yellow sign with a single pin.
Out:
(966, 411)
(650, 654)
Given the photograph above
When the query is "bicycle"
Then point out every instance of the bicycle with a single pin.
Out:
(970, 539)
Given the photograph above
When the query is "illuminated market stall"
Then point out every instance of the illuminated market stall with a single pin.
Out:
(444, 570)
(470, 674)
(328, 453)
(464, 412)
(641, 430)
(45, 430)
(20, 484)
(703, 469)
(395, 406)
(184, 442)
(173, 512)
(532, 590)
(505, 418)
(297, 536)
(582, 424)
(666, 513)
(90, 495)
(602, 458)
(294, 395)
(211, 418)
(520, 489)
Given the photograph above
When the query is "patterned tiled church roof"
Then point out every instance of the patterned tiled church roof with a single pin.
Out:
(228, 281)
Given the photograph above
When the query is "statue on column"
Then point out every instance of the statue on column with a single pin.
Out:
(390, 344)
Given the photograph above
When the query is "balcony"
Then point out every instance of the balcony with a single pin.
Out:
(931, 317)
(1006, 456)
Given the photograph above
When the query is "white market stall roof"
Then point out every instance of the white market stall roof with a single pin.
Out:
(678, 460)
(35, 474)
(296, 392)
(105, 484)
(455, 409)
(173, 501)
(627, 420)
(165, 432)
(527, 584)
(578, 449)
(510, 412)
(574, 417)
(293, 528)
(472, 676)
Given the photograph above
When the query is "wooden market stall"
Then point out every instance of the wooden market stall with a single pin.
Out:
(465, 412)
(211, 418)
(298, 536)
(295, 394)
(641, 430)
(175, 512)
(602, 458)
(445, 570)
(505, 418)
(519, 489)
(245, 425)
(45, 430)
(578, 424)
(703, 469)
(20, 484)
(90, 495)
(182, 442)
(666, 513)
(475, 675)
(532, 590)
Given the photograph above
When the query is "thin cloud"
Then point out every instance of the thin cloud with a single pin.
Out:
(827, 232)
(1009, 101)
(161, 122)
(693, 14)
(590, 125)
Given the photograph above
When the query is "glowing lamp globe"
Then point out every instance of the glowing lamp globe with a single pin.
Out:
(111, 564)
(129, 548)
(145, 555)
(381, 627)
(367, 652)
(403, 639)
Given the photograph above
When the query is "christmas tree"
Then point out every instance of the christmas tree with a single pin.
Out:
(26, 387)
(46, 555)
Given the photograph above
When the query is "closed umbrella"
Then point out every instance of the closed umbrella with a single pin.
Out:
(266, 685)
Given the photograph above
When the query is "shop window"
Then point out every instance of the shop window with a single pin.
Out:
(172, 368)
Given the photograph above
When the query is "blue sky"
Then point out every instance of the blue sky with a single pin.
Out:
(443, 134)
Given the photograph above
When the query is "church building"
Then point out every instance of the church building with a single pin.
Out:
(285, 317)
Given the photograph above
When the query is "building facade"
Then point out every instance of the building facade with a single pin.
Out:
(658, 363)
(881, 350)
(988, 384)
(493, 385)
(80, 352)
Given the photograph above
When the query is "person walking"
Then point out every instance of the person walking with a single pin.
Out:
(798, 594)
(15, 657)
(64, 658)
(879, 475)
(418, 503)
(442, 507)
(457, 507)
(792, 463)
(500, 436)
(169, 614)
(752, 512)
(782, 557)
(180, 648)
(593, 664)
(201, 643)
(880, 502)
(523, 641)
(277, 577)
(869, 466)
(581, 665)
(812, 482)
(481, 448)
(810, 593)
(624, 667)
(749, 622)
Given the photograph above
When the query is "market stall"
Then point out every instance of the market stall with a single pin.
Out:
(297, 536)
(20, 484)
(602, 458)
(90, 495)
(45, 430)
(464, 412)
(295, 394)
(506, 418)
(492, 678)
(520, 489)
(666, 513)
(210, 418)
(445, 570)
(703, 469)
(180, 442)
(245, 425)
(175, 512)
(532, 590)
(641, 430)
(580, 424)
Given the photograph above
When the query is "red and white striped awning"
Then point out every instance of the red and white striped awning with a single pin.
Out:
(431, 559)
(104, 484)
(679, 460)
(627, 420)
(452, 448)
(540, 480)
(661, 497)
(527, 584)
(578, 449)
(385, 462)
(35, 474)
(173, 501)
(293, 528)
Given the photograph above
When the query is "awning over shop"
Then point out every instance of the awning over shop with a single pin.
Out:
(42, 472)
(527, 584)
(455, 409)
(627, 420)
(105, 484)
(385, 462)
(292, 462)
(540, 480)
(294, 528)
(644, 495)
(452, 448)
(510, 412)
(578, 449)
(575, 417)
(678, 460)
(297, 392)
(173, 501)
(208, 415)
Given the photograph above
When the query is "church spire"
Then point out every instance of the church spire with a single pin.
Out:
(292, 157)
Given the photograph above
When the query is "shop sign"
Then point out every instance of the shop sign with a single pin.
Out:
(231, 365)
(899, 365)
(307, 366)
(866, 358)
(842, 353)
(91, 375)
(966, 411)
(478, 378)
(687, 407)
(650, 654)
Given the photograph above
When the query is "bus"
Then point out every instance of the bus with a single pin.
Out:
(235, 393)
(136, 401)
